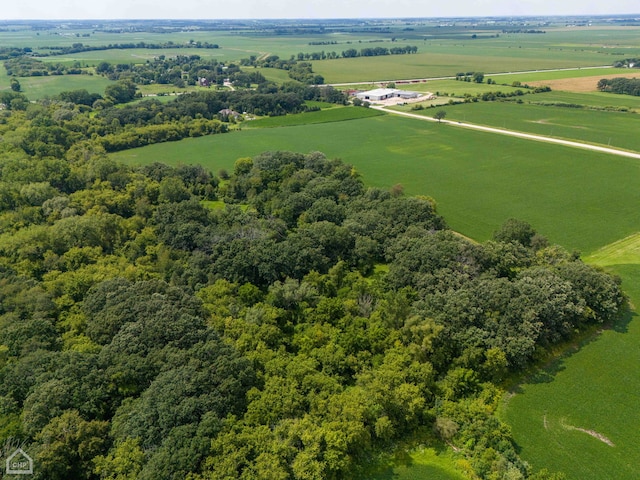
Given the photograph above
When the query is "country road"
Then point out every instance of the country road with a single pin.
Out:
(512, 133)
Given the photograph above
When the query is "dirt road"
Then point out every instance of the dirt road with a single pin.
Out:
(512, 133)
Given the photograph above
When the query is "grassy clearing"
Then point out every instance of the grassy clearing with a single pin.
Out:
(158, 89)
(579, 199)
(309, 118)
(616, 129)
(424, 463)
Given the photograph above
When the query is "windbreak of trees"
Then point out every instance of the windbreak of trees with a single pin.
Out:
(79, 47)
(626, 86)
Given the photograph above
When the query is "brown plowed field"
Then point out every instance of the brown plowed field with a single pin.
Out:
(582, 84)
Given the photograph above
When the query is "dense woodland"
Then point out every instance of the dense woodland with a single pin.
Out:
(280, 321)
(303, 328)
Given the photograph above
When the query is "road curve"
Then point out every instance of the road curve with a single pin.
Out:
(513, 133)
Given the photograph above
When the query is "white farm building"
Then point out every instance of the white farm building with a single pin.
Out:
(384, 93)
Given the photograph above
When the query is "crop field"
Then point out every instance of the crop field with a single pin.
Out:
(591, 99)
(617, 129)
(580, 199)
(580, 415)
(434, 64)
(335, 114)
(455, 87)
(582, 84)
(526, 77)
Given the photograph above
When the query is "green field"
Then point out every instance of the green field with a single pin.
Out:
(437, 57)
(39, 87)
(524, 77)
(455, 87)
(617, 129)
(595, 389)
(582, 200)
(591, 99)
(456, 58)
(335, 114)
(578, 198)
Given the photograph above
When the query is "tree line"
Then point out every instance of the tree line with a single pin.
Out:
(50, 127)
(621, 85)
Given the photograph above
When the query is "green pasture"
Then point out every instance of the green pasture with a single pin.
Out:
(275, 75)
(594, 389)
(40, 87)
(579, 199)
(322, 116)
(166, 89)
(617, 129)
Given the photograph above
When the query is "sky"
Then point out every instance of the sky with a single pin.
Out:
(225, 9)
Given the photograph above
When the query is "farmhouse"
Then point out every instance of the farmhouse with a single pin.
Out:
(385, 93)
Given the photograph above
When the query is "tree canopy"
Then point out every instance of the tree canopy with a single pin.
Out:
(302, 330)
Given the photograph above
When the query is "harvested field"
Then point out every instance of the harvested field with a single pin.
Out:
(580, 84)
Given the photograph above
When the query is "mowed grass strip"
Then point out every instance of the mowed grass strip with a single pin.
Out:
(308, 118)
(579, 199)
(621, 252)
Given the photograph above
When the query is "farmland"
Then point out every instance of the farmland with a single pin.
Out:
(616, 129)
(581, 391)
(601, 402)
(40, 87)
(476, 189)
(582, 403)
